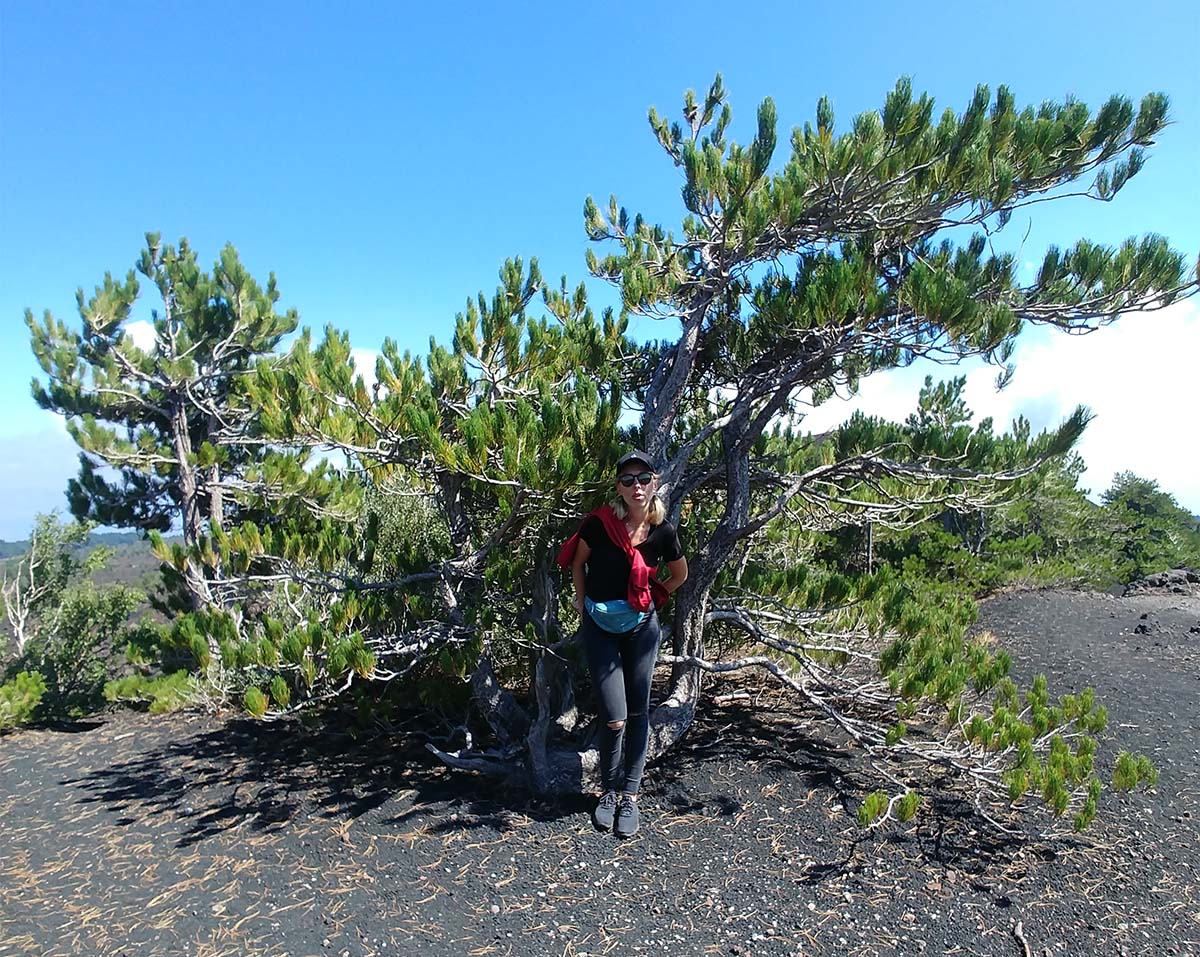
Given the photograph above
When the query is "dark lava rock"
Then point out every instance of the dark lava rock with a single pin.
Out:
(1174, 579)
(1146, 626)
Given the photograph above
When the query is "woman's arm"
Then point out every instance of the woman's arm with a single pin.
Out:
(583, 551)
(677, 574)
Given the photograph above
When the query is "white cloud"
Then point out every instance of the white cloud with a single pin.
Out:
(364, 364)
(1138, 376)
(141, 331)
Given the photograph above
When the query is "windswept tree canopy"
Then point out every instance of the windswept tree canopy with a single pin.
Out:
(854, 257)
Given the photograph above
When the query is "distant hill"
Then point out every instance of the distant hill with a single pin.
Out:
(132, 562)
(112, 539)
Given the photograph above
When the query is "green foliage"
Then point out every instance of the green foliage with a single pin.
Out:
(281, 694)
(49, 562)
(859, 213)
(924, 598)
(161, 694)
(402, 531)
(1087, 813)
(76, 658)
(65, 628)
(1154, 532)
(255, 702)
(174, 423)
(481, 439)
(211, 326)
(907, 806)
(876, 804)
(19, 698)
(1037, 529)
(1132, 770)
(922, 594)
(872, 808)
(466, 454)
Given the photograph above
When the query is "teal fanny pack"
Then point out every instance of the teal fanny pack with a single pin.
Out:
(616, 616)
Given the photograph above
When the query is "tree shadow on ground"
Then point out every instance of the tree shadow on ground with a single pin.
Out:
(256, 776)
(247, 775)
(742, 737)
(948, 834)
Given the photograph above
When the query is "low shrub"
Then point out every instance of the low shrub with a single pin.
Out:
(159, 695)
(19, 699)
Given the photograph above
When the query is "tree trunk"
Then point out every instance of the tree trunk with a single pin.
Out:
(499, 708)
(671, 378)
(536, 751)
(557, 769)
(193, 575)
(450, 495)
(526, 752)
(216, 500)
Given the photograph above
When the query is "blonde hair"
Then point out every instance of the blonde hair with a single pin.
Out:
(656, 512)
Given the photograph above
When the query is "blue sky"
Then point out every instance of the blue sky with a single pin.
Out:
(383, 160)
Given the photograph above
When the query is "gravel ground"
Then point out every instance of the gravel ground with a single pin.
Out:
(192, 836)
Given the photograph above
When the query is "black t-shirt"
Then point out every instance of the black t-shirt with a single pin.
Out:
(607, 572)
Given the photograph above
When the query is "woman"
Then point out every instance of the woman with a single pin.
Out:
(614, 559)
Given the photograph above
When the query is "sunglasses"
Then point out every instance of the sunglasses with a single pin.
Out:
(642, 478)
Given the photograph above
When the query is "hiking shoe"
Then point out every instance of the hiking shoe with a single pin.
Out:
(605, 810)
(627, 817)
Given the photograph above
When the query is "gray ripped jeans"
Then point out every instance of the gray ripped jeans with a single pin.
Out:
(622, 666)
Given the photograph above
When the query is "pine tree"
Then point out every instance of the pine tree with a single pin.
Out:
(789, 285)
(473, 460)
(1154, 532)
(168, 439)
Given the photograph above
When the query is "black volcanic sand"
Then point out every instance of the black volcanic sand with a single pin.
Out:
(188, 835)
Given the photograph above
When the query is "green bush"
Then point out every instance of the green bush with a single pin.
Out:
(1153, 532)
(19, 698)
(65, 628)
(75, 657)
(255, 701)
(162, 694)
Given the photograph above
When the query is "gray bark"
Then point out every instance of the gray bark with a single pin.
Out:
(508, 720)
(193, 576)
(216, 507)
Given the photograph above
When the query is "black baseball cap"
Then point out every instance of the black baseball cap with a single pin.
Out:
(634, 456)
